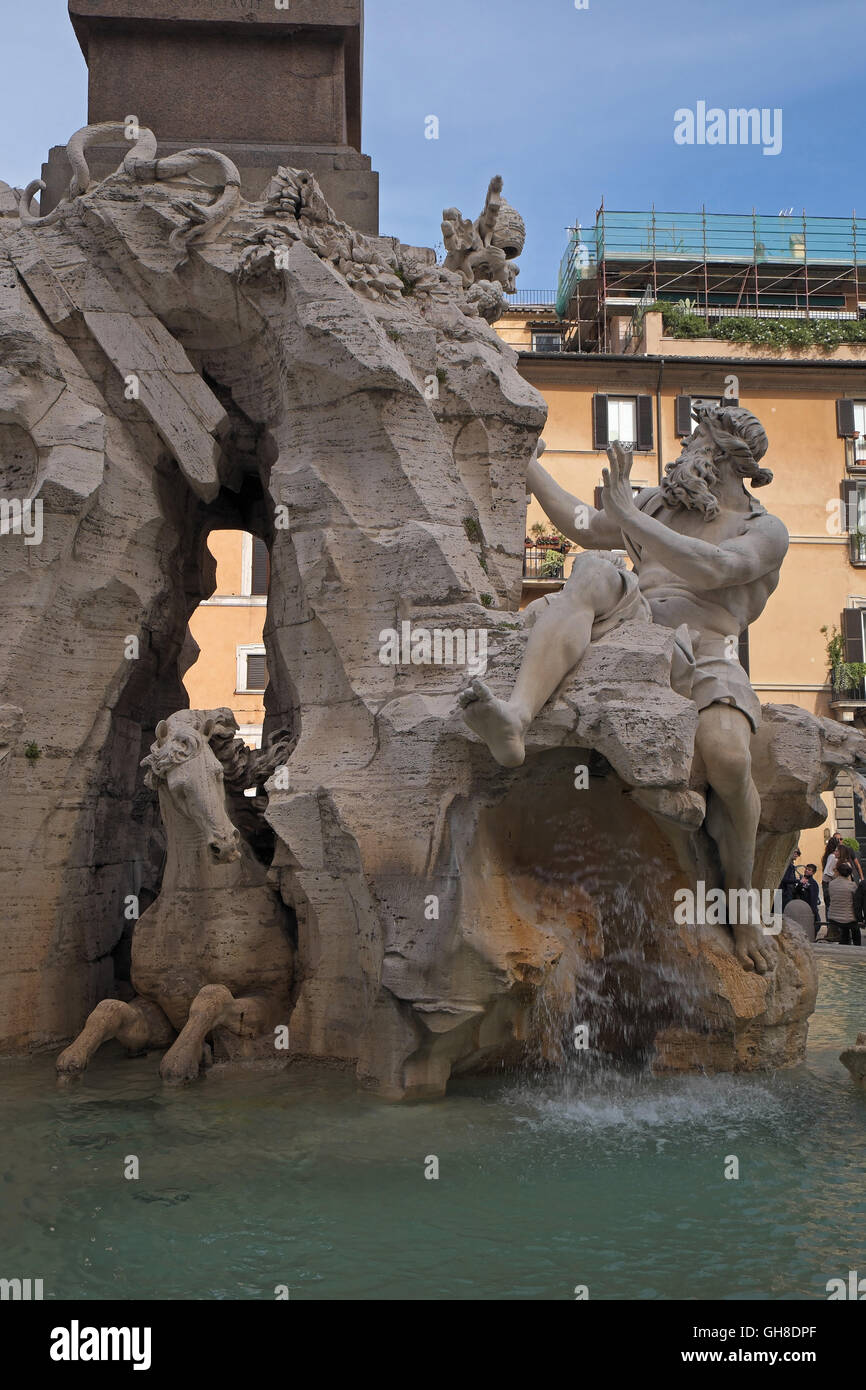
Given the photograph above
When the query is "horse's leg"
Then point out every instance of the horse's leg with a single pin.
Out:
(213, 1007)
(137, 1025)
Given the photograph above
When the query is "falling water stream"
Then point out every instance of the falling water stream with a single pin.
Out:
(628, 992)
(611, 1179)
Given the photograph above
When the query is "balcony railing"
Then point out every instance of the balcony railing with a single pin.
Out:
(857, 547)
(537, 299)
(749, 311)
(545, 560)
(848, 694)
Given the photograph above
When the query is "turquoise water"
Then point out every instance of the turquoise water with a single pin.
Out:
(252, 1181)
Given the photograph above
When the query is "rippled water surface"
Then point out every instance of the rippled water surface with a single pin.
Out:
(253, 1181)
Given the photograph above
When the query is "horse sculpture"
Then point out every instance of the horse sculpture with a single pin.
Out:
(213, 953)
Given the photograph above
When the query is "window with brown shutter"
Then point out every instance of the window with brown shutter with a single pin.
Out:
(744, 650)
(600, 438)
(261, 567)
(257, 671)
(609, 414)
(644, 423)
(845, 425)
(852, 631)
(683, 416)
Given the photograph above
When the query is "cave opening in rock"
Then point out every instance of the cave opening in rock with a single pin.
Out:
(227, 633)
(207, 649)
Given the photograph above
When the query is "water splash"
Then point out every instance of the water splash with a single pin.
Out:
(630, 1107)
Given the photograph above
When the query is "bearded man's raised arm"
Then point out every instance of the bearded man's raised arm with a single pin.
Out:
(576, 519)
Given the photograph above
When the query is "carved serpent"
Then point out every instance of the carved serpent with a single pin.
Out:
(141, 164)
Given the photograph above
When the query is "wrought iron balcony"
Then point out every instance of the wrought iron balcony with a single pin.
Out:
(545, 560)
(848, 694)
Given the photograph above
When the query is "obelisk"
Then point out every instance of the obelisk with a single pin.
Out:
(266, 85)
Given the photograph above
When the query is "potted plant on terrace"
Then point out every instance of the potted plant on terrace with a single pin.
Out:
(551, 548)
(845, 675)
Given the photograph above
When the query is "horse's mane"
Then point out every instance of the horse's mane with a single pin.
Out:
(242, 766)
(186, 738)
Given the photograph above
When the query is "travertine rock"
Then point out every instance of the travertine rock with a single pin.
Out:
(450, 914)
(11, 724)
(854, 1058)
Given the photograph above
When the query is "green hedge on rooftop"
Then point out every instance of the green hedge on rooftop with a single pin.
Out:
(825, 334)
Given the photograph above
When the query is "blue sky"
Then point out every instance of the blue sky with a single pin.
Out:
(568, 105)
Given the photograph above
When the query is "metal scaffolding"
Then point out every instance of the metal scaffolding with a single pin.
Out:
(723, 263)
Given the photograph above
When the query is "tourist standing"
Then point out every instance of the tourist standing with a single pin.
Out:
(807, 890)
(853, 859)
(790, 881)
(841, 910)
(828, 868)
(860, 908)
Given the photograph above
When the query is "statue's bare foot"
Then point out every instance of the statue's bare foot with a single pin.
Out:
(494, 721)
(753, 949)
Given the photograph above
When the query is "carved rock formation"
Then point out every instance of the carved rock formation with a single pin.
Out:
(854, 1058)
(174, 365)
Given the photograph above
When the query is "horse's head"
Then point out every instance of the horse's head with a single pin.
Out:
(184, 767)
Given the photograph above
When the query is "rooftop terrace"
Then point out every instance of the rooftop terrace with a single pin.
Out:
(748, 262)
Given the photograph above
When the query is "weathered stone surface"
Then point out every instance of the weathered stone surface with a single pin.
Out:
(450, 914)
(40, 279)
(854, 1058)
(794, 754)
